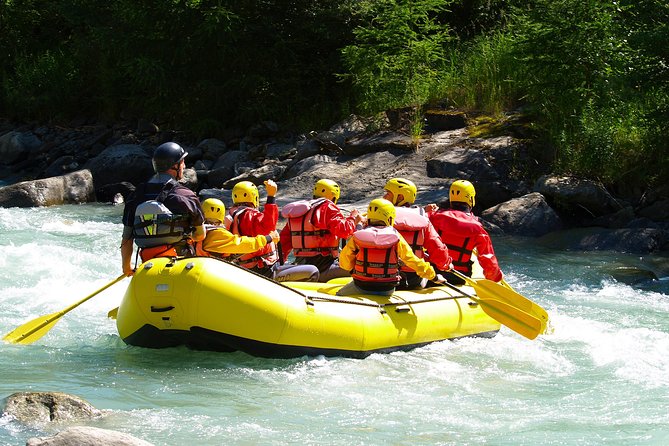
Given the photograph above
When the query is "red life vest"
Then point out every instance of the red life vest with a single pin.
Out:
(458, 230)
(376, 259)
(412, 225)
(307, 240)
(265, 256)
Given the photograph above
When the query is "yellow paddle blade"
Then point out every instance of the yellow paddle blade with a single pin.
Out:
(112, 313)
(517, 320)
(38, 327)
(33, 330)
(493, 290)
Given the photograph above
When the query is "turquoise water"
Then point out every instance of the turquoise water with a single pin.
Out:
(602, 377)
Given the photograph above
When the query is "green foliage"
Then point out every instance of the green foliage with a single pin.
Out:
(592, 75)
(397, 54)
(483, 75)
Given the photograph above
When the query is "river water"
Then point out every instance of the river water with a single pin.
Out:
(602, 377)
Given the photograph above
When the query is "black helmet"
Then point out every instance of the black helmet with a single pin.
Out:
(167, 155)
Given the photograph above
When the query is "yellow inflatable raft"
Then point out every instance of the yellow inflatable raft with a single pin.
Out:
(207, 304)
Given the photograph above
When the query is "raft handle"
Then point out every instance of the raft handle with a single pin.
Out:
(148, 265)
(473, 304)
(161, 309)
(402, 309)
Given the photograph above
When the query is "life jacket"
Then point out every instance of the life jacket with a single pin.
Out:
(307, 240)
(376, 259)
(412, 225)
(265, 256)
(156, 230)
(458, 230)
(199, 246)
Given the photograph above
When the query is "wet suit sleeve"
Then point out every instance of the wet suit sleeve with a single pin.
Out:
(436, 249)
(222, 241)
(406, 255)
(260, 222)
(332, 219)
(486, 257)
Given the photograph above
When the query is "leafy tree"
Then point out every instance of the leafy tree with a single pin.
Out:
(397, 53)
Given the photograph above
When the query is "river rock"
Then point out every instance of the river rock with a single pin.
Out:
(73, 188)
(109, 192)
(15, 146)
(124, 162)
(632, 240)
(269, 171)
(36, 408)
(224, 168)
(361, 145)
(462, 163)
(658, 211)
(577, 198)
(307, 164)
(212, 148)
(88, 436)
(529, 215)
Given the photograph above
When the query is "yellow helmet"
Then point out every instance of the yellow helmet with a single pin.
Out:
(327, 189)
(245, 192)
(463, 191)
(404, 187)
(213, 209)
(381, 210)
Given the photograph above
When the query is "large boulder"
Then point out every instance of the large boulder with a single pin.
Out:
(529, 215)
(225, 167)
(361, 145)
(124, 162)
(658, 211)
(38, 408)
(212, 148)
(88, 436)
(73, 188)
(632, 240)
(576, 198)
(270, 171)
(462, 162)
(15, 146)
(307, 164)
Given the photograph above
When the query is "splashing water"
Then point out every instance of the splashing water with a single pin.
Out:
(602, 376)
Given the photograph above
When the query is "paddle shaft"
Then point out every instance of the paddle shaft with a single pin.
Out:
(28, 329)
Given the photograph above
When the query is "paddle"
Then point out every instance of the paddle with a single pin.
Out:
(36, 328)
(487, 289)
(513, 317)
(512, 296)
(112, 313)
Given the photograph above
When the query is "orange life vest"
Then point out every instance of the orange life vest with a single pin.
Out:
(265, 256)
(157, 251)
(307, 240)
(376, 259)
(412, 225)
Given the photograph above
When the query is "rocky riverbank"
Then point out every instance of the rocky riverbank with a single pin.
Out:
(516, 193)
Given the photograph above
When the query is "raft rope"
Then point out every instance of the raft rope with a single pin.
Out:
(309, 300)
(380, 307)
